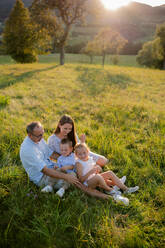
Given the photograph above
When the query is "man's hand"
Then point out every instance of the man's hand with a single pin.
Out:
(72, 179)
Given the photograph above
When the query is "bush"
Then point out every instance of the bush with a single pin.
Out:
(4, 100)
(25, 57)
(115, 59)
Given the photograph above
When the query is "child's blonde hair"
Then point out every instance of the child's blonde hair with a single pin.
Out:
(80, 146)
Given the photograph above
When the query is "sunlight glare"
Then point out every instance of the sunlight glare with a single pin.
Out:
(115, 4)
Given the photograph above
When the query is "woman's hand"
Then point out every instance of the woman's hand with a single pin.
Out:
(82, 138)
(97, 169)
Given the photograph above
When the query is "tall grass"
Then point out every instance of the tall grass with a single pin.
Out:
(122, 112)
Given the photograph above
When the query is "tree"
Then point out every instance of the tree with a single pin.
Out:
(152, 53)
(90, 50)
(60, 16)
(19, 37)
(160, 33)
(108, 41)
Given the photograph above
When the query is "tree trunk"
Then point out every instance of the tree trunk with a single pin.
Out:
(103, 61)
(164, 64)
(91, 59)
(62, 55)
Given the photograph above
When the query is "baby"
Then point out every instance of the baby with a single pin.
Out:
(89, 173)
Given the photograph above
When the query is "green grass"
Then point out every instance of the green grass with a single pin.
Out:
(122, 111)
(124, 60)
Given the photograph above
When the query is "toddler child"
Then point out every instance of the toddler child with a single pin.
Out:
(89, 173)
(66, 164)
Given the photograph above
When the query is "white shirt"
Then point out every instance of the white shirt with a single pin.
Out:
(34, 157)
(54, 143)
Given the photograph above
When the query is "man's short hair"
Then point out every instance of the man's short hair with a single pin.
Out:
(30, 127)
(66, 141)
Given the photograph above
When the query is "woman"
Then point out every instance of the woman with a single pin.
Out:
(66, 129)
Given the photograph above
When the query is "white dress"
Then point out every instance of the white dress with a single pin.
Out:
(87, 166)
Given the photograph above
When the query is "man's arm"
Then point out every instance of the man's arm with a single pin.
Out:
(60, 175)
(67, 167)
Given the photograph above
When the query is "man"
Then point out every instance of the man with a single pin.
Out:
(35, 156)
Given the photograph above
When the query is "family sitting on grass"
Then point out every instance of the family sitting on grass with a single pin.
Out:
(75, 165)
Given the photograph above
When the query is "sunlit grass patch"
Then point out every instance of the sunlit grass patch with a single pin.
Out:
(4, 100)
(121, 110)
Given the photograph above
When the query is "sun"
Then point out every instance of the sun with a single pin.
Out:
(115, 4)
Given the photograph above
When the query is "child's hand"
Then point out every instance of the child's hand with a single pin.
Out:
(98, 169)
(82, 138)
(55, 167)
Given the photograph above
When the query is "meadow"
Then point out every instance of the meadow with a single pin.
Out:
(124, 60)
(122, 111)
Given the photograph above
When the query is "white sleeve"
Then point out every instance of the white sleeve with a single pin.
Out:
(32, 160)
(78, 140)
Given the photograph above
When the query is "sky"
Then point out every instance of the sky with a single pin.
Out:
(152, 2)
(115, 4)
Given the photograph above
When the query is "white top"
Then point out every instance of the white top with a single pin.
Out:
(54, 143)
(66, 160)
(34, 157)
(86, 165)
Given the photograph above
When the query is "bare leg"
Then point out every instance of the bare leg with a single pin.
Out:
(109, 183)
(99, 181)
(93, 192)
(115, 180)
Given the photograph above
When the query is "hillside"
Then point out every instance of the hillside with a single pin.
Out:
(122, 112)
(136, 22)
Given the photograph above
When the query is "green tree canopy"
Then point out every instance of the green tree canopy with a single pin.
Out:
(160, 32)
(108, 41)
(57, 17)
(90, 50)
(19, 37)
(152, 53)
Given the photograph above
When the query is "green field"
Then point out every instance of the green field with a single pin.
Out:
(124, 60)
(122, 111)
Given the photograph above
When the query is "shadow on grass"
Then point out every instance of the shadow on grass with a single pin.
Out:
(11, 79)
(96, 80)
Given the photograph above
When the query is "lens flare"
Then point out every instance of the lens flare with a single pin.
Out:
(115, 4)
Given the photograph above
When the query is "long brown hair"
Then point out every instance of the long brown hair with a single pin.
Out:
(72, 135)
